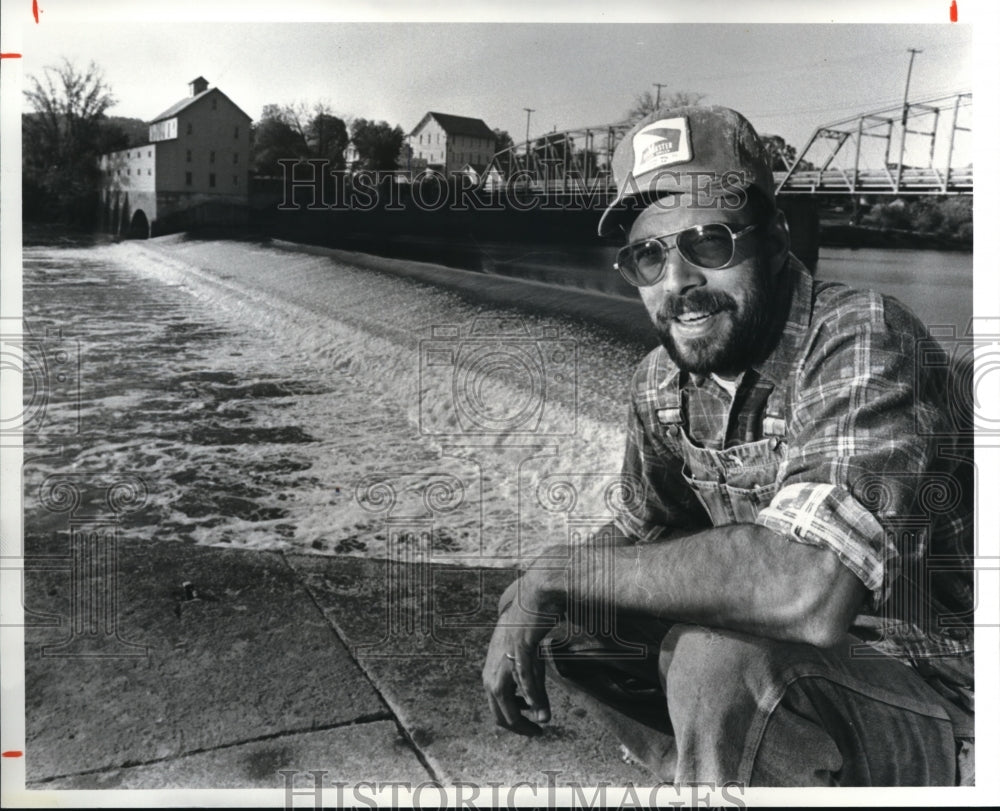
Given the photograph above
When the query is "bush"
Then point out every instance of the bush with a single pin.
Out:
(945, 217)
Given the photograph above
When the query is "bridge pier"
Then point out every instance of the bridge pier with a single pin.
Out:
(802, 213)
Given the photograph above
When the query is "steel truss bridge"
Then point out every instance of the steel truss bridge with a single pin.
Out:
(892, 151)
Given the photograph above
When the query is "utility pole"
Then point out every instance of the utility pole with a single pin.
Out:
(906, 111)
(657, 85)
(527, 130)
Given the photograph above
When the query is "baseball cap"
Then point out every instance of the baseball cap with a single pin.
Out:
(705, 151)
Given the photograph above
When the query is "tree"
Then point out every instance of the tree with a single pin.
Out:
(326, 136)
(118, 132)
(276, 138)
(62, 141)
(298, 131)
(377, 143)
(645, 103)
(503, 140)
(781, 154)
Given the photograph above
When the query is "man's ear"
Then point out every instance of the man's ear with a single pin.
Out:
(778, 242)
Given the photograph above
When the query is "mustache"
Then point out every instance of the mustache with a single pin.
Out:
(694, 302)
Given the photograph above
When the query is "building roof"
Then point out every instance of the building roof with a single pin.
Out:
(184, 103)
(458, 125)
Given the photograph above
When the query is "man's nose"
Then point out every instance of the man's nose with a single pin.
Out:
(680, 276)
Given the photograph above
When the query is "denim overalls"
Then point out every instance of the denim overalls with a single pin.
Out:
(709, 704)
(734, 484)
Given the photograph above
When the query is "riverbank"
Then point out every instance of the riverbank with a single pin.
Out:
(841, 235)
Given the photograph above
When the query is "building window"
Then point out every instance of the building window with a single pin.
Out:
(149, 154)
(149, 172)
(236, 132)
(214, 105)
(211, 180)
(128, 171)
(189, 129)
(189, 156)
(211, 157)
(236, 157)
(187, 179)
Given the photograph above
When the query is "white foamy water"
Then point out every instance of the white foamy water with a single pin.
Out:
(267, 397)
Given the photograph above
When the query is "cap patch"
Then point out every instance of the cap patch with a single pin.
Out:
(662, 143)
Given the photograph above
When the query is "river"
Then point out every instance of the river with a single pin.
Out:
(272, 397)
(263, 397)
(936, 285)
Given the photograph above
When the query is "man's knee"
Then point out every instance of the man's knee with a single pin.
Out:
(705, 670)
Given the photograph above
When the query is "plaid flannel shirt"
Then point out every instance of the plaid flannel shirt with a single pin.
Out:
(873, 469)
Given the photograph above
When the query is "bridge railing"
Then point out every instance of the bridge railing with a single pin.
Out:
(882, 152)
(862, 154)
(927, 180)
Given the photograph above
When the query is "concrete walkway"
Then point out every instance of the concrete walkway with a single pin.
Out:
(229, 667)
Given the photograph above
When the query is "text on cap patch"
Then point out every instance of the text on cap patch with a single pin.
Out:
(661, 143)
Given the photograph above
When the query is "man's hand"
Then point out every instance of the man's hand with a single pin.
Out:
(514, 674)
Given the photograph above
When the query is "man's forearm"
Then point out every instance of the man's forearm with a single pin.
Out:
(742, 576)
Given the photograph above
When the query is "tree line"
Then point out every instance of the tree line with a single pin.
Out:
(301, 131)
(68, 129)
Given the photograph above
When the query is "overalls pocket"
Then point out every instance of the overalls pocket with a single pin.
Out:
(733, 485)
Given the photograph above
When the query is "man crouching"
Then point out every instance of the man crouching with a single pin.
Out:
(775, 621)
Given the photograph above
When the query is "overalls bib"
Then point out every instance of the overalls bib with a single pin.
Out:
(733, 484)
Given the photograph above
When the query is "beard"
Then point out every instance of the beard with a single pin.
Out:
(739, 339)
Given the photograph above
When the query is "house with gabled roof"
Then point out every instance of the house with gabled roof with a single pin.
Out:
(447, 143)
(193, 170)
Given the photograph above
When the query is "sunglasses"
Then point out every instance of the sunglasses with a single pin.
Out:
(709, 247)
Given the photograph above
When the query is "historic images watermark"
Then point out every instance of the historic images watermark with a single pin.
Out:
(89, 563)
(309, 788)
(310, 185)
(47, 365)
(497, 378)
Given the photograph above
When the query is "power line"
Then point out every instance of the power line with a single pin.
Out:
(862, 105)
(816, 64)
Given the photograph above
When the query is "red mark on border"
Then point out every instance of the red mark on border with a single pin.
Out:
(10, 56)
(34, 9)
(13, 753)
(953, 12)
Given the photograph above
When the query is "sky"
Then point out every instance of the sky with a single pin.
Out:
(786, 78)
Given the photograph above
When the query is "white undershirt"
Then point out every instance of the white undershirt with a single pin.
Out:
(728, 385)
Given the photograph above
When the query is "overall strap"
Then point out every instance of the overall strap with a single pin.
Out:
(670, 405)
(774, 424)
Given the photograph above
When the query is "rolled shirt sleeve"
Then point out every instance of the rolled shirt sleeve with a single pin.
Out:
(859, 441)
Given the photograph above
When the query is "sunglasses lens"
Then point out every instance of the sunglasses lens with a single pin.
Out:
(640, 264)
(710, 246)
